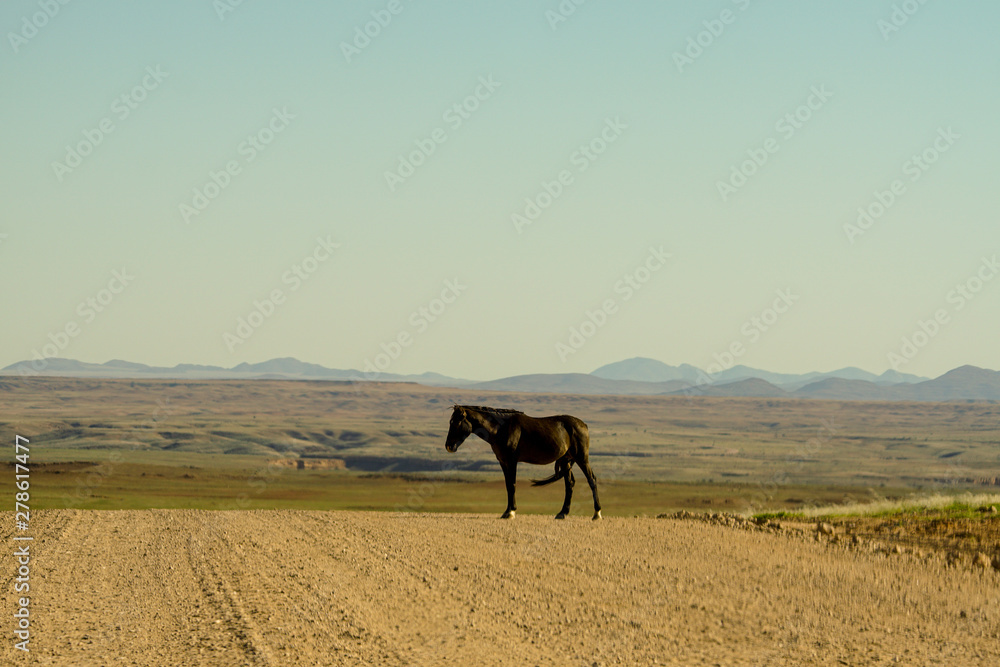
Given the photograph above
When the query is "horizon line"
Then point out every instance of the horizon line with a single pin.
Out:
(706, 371)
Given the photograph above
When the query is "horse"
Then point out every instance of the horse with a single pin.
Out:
(515, 438)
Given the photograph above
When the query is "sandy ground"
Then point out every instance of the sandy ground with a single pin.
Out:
(158, 587)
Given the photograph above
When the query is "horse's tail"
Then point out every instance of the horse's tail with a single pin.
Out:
(559, 474)
(561, 471)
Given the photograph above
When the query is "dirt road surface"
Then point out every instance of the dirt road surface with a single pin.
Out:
(178, 587)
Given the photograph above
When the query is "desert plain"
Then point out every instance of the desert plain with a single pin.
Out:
(322, 523)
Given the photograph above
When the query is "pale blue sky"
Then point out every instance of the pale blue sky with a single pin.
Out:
(681, 129)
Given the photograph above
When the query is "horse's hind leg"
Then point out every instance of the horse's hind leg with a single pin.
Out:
(592, 480)
(583, 459)
(569, 491)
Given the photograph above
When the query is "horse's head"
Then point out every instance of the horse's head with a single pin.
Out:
(459, 429)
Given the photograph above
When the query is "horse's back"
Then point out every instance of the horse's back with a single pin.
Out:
(577, 431)
(545, 439)
(573, 424)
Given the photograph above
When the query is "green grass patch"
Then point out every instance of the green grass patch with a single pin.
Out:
(963, 505)
(145, 480)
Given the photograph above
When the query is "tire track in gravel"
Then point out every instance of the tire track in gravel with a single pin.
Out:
(203, 559)
(275, 573)
(336, 561)
(392, 592)
(114, 582)
(486, 586)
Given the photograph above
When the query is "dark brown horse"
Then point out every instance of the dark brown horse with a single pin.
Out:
(515, 437)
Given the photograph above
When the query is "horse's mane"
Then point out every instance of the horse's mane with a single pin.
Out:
(495, 411)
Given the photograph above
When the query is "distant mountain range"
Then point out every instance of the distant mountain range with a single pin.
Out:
(651, 370)
(286, 368)
(638, 376)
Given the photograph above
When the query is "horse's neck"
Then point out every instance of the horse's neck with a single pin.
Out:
(486, 422)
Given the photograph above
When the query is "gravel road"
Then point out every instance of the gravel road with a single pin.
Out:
(172, 587)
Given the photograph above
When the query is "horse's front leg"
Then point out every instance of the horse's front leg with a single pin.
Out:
(510, 477)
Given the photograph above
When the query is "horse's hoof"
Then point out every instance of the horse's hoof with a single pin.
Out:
(561, 515)
(508, 515)
(597, 515)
